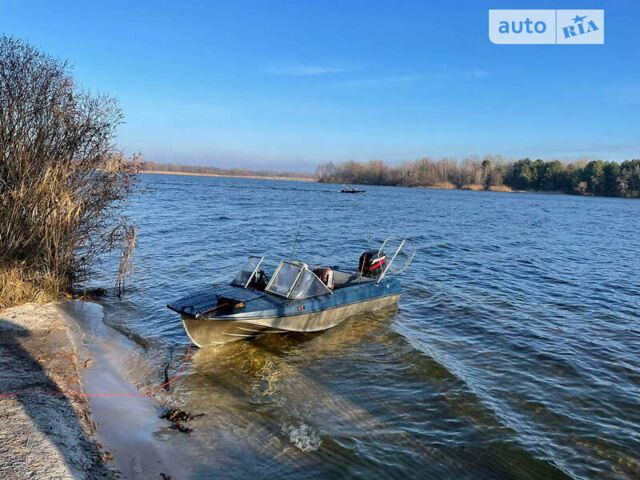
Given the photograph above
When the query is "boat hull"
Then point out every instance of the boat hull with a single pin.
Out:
(206, 332)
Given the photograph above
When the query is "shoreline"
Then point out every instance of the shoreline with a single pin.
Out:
(127, 422)
(49, 434)
(259, 177)
(104, 428)
(473, 188)
(469, 187)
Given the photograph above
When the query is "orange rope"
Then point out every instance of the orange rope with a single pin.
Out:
(147, 394)
(82, 394)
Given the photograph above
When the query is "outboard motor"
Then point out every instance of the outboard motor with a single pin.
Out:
(372, 263)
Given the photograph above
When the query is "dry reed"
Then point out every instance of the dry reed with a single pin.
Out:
(500, 188)
(63, 183)
(127, 264)
(473, 186)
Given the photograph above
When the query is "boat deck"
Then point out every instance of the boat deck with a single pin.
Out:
(349, 288)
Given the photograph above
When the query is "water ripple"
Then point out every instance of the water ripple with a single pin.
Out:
(514, 352)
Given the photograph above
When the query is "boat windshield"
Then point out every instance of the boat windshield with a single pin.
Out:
(244, 276)
(285, 278)
(294, 280)
(309, 285)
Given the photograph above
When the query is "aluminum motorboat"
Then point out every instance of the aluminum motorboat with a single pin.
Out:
(296, 298)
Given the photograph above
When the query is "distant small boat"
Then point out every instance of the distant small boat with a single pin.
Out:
(295, 299)
(352, 190)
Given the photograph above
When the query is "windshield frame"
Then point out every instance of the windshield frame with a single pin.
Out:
(253, 273)
(314, 281)
(301, 268)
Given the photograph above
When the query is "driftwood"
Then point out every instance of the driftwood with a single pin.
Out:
(178, 417)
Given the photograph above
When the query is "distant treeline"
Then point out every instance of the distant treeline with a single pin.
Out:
(495, 173)
(232, 172)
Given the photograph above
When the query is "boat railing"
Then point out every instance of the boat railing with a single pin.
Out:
(404, 249)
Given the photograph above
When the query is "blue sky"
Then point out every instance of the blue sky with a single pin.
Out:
(290, 84)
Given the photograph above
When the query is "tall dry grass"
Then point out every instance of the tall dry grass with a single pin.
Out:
(24, 285)
(126, 268)
(472, 186)
(63, 183)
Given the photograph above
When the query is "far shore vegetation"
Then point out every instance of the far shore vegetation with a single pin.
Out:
(495, 174)
(63, 182)
(176, 169)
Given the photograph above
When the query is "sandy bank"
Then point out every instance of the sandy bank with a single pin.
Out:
(164, 172)
(46, 435)
(112, 432)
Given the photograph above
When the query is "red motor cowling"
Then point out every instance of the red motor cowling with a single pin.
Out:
(372, 263)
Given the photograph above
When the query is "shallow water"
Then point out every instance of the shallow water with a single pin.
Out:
(515, 351)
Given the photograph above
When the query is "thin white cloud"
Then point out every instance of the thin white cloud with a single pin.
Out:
(305, 70)
(476, 74)
(440, 76)
(385, 80)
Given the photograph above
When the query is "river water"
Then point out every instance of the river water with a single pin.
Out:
(514, 353)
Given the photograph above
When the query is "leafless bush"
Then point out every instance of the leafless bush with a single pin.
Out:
(63, 183)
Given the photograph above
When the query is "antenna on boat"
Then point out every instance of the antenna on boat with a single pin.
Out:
(295, 242)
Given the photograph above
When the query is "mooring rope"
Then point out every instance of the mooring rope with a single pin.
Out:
(146, 394)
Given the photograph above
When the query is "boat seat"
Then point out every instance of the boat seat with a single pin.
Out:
(325, 274)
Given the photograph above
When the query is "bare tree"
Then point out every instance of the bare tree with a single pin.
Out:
(63, 182)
